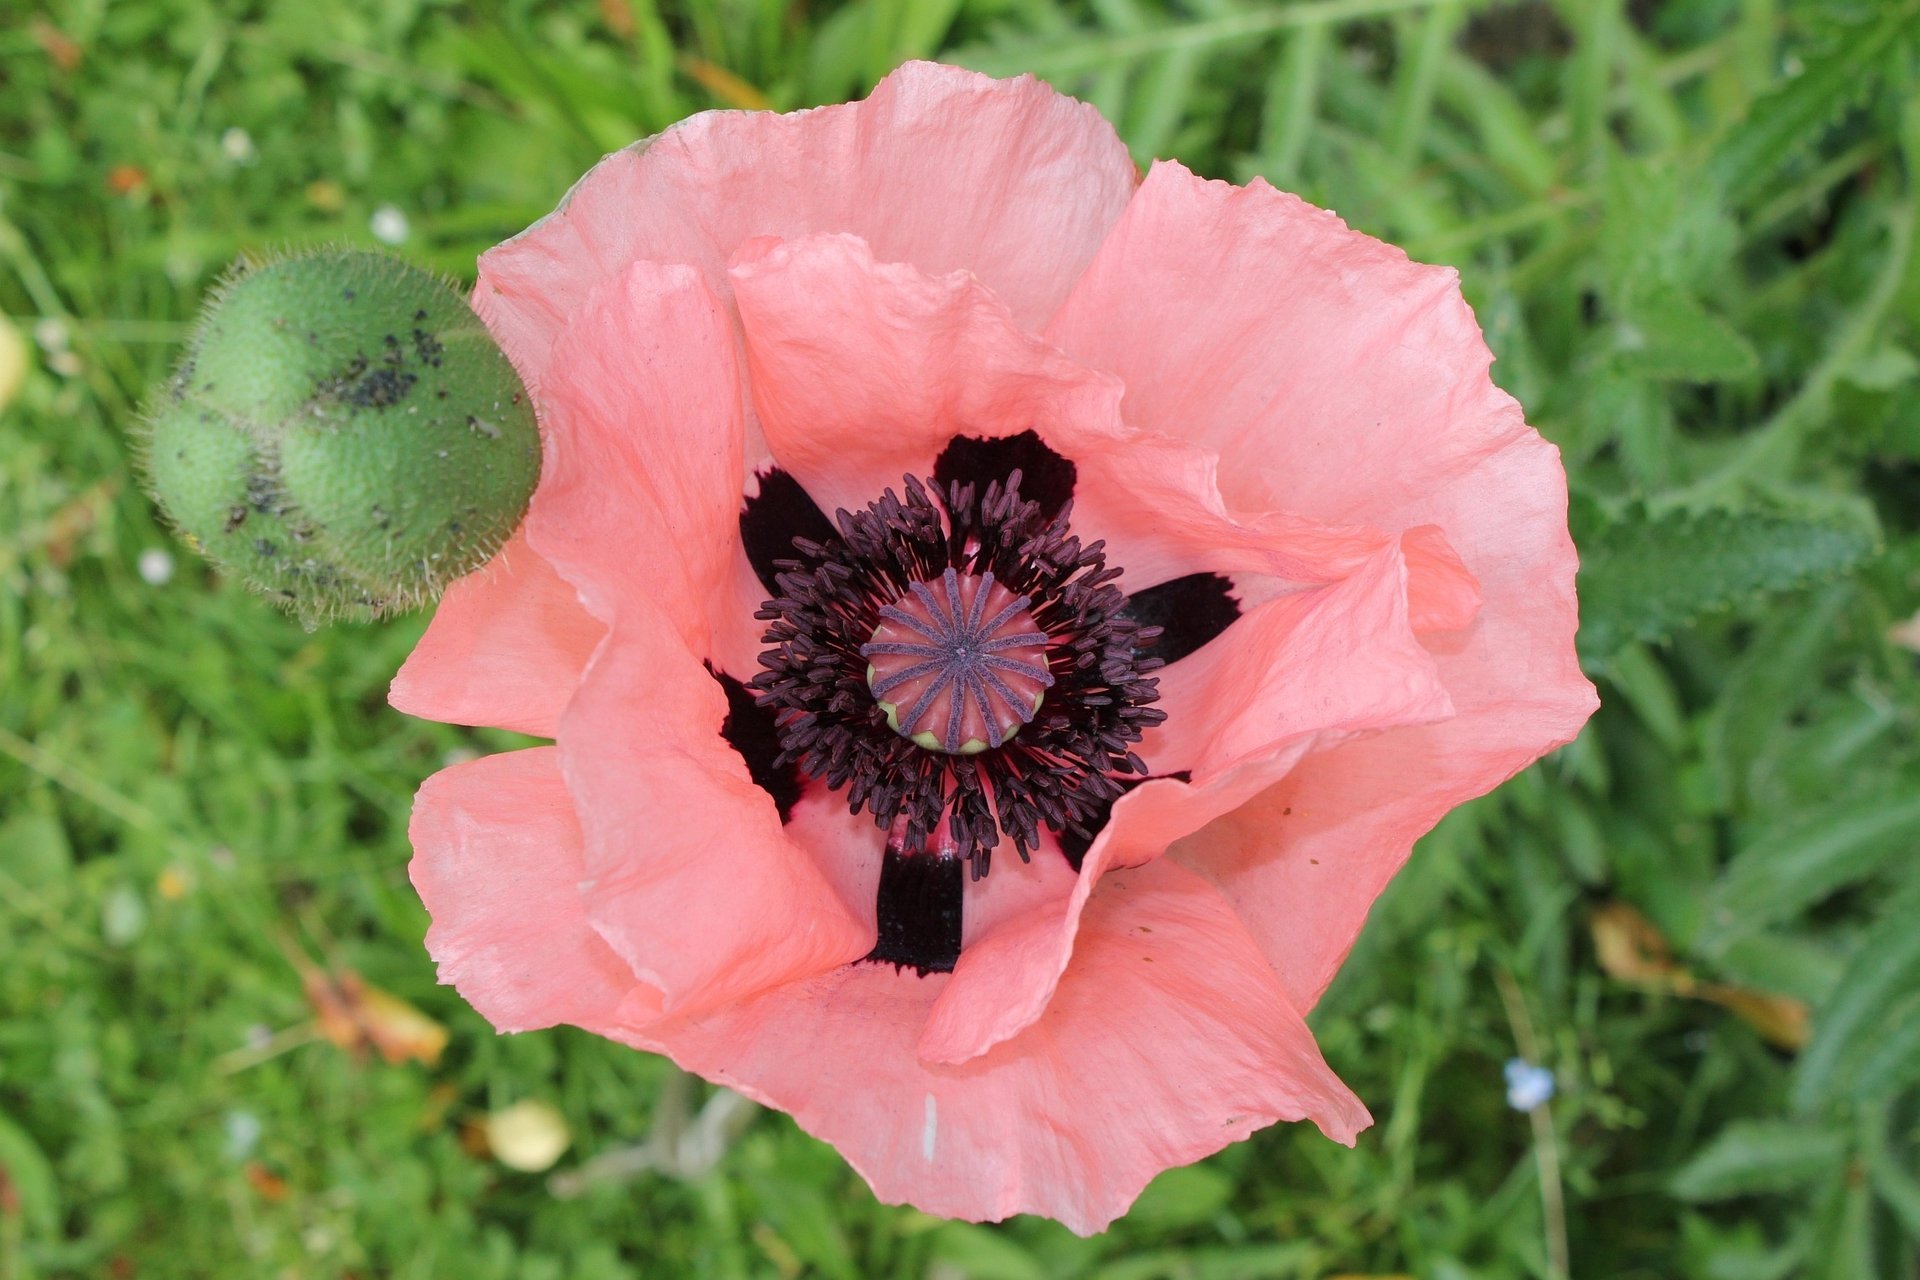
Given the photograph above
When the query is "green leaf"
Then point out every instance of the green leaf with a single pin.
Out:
(1891, 1060)
(1183, 1197)
(1238, 1262)
(38, 854)
(982, 1253)
(1666, 333)
(1645, 577)
(1847, 1029)
(1061, 53)
(1896, 1188)
(1823, 850)
(25, 1168)
(1842, 1242)
(1752, 1157)
(1782, 123)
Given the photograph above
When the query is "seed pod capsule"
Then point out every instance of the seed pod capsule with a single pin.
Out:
(343, 435)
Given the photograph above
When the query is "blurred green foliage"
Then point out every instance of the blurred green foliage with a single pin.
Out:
(1688, 229)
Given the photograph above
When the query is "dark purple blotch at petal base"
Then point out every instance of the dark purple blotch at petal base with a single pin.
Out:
(749, 729)
(773, 517)
(918, 910)
(1190, 612)
(1046, 478)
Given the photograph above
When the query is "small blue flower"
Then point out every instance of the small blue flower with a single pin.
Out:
(1528, 1086)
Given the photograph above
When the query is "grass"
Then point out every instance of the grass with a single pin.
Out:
(1688, 230)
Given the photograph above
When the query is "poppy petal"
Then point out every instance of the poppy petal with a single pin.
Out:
(863, 371)
(693, 880)
(695, 886)
(1332, 376)
(1341, 658)
(940, 167)
(505, 648)
(639, 496)
(1338, 380)
(1304, 861)
(1308, 668)
(1168, 1039)
(497, 862)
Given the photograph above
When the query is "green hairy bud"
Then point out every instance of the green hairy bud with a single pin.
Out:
(343, 435)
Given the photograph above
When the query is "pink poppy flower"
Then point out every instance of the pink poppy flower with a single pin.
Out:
(1184, 566)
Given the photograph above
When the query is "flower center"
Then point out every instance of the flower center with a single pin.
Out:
(964, 657)
(962, 666)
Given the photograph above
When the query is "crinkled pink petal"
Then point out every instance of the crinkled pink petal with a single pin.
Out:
(691, 877)
(639, 493)
(1339, 380)
(1334, 377)
(1298, 671)
(1070, 1119)
(844, 845)
(863, 370)
(1304, 862)
(496, 859)
(1341, 658)
(505, 648)
(692, 880)
(942, 168)
(1442, 593)
(1156, 503)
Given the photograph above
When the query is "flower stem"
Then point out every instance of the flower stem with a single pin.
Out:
(1546, 1143)
(682, 1144)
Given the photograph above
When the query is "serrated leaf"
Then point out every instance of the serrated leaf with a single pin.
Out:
(1643, 578)
(1666, 333)
(1792, 117)
(1751, 1157)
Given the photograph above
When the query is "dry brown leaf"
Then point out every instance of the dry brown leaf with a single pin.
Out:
(270, 1185)
(1781, 1021)
(618, 17)
(60, 47)
(357, 1016)
(73, 521)
(1631, 948)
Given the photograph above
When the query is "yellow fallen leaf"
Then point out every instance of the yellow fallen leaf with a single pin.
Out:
(1906, 634)
(13, 361)
(724, 84)
(326, 195)
(529, 1135)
